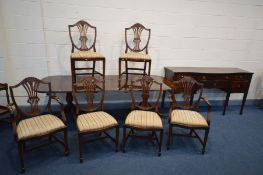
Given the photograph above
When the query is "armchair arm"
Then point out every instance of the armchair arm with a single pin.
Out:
(208, 110)
(63, 116)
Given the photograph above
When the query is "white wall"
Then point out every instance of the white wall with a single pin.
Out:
(34, 37)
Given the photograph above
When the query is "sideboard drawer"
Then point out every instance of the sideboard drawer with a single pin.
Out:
(239, 86)
(216, 84)
(179, 76)
(238, 77)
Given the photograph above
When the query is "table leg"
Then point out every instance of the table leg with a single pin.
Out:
(243, 103)
(69, 98)
(163, 97)
(226, 102)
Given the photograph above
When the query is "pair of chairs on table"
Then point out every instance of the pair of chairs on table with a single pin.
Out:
(86, 51)
(143, 117)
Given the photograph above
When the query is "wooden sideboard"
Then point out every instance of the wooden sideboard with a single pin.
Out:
(229, 80)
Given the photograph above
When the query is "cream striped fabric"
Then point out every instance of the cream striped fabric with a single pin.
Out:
(38, 126)
(95, 121)
(188, 118)
(144, 120)
(86, 54)
(136, 55)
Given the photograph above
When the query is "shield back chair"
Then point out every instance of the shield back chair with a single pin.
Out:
(36, 121)
(84, 51)
(90, 119)
(184, 113)
(6, 109)
(137, 39)
(144, 115)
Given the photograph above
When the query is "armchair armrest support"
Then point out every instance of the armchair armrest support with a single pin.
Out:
(63, 116)
(208, 110)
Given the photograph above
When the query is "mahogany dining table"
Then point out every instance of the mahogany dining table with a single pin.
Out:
(63, 84)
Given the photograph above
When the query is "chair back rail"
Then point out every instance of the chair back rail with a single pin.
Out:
(83, 28)
(31, 86)
(189, 88)
(89, 86)
(143, 86)
(137, 31)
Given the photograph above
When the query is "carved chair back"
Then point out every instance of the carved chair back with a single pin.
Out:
(191, 92)
(86, 42)
(89, 88)
(147, 99)
(29, 88)
(135, 46)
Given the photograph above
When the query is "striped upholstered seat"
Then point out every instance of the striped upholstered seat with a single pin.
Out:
(86, 54)
(38, 126)
(95, 121)
(136, 55)
(188, 118)
(144, 120)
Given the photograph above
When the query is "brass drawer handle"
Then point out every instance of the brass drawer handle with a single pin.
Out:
(203, 77)
(240, 76)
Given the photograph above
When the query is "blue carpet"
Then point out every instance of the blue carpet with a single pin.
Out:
(235, 146)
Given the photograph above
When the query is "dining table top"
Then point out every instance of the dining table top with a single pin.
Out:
(63, 83)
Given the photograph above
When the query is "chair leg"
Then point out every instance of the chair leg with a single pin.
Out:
(170, 135)
(205, 140)
(21, 156)
(80, 149)
(126, 71)
(66, 149)
(160, 143)
(124, 139)
(73, 74)
(149, 69)
(144, 68)
(117, 138)
(103, 67)
(93, 67)
(119, 68)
